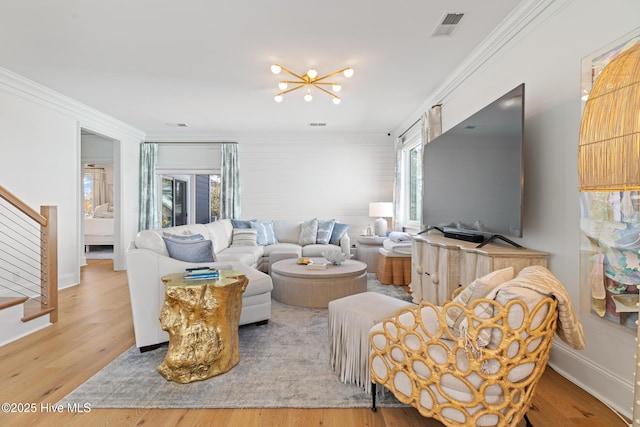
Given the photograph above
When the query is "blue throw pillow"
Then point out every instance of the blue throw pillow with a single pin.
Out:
(190, 250)
(184, 236)
(338, 231)
(325, 228)
(238, 223)
(266, 233)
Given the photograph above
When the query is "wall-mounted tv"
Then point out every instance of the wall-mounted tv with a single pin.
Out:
(473, 173)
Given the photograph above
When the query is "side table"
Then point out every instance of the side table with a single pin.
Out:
(201, 317)
(368, 247)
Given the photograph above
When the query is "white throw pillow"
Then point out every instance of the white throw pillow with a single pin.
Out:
(480, 288)
(245, 237)
(308, 232)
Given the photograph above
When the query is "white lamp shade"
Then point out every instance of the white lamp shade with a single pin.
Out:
(381, 209)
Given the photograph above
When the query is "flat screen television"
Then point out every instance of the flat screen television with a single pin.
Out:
(473, 174)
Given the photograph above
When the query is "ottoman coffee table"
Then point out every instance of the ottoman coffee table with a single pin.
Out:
(298, 285)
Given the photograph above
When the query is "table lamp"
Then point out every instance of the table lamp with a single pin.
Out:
(381, 210)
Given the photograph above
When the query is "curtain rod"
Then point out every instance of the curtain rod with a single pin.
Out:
(409, 128)
(417, 121)
(189, 142)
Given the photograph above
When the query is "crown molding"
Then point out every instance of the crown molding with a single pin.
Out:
(515, 24)
(86, 116)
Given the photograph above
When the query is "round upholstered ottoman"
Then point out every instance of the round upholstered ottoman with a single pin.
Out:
(303, 286)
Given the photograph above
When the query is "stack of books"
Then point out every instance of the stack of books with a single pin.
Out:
(201, 273)
(318, 264)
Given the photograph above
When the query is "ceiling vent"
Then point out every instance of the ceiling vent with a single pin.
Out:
(448, 23)
(317, 125)
(177, 125)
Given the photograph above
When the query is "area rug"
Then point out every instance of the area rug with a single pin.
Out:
(284, 364)
(99, 252)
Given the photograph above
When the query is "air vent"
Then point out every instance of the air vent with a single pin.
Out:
(448, 23)
(177, 125)
(317, 125)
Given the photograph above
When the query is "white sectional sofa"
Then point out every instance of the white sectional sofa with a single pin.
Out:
(148, 260)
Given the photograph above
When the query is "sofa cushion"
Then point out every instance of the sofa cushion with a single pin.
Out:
(266, 233)
(338, 231)
(244, 237)
(248, 255)
(244, 258)
(308, 232)
(259, 283)
(220, 232)
(287, 231)
(292, 248)
(152, 239)
(317, 250)
(190, 250)
(325, 228)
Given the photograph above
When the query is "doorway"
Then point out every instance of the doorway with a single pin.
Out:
(99, 199)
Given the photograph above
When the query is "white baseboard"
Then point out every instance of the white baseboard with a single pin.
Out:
(16, 328)
(608, 387)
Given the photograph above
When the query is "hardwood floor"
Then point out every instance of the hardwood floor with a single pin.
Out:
(95, 326)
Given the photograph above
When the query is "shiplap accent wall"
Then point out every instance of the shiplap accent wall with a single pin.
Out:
(316, 176)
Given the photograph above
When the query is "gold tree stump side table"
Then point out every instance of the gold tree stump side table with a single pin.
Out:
(201, 317)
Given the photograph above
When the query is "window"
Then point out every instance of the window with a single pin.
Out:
(190, 199)
(415, 184)
(411, 173)
(214, 187)
(97, 185)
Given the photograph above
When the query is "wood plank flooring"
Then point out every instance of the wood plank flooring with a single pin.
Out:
(95, 327)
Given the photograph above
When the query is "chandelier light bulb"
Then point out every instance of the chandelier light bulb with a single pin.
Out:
(282, 85)
(337, 100)
(308, 97)
(312, 73)
(348, 72)
(278, 98)
(275, 69)
(336, 88)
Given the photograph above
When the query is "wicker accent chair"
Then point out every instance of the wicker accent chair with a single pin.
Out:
(474, 363)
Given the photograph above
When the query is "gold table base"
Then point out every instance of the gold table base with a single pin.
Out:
(201, 317)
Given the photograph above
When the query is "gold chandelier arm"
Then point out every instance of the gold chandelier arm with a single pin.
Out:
(325, 91)
(300, 82)
(285, 69)
(335, 73)
(291, 90)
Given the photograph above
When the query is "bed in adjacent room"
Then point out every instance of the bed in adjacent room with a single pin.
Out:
(99, 228)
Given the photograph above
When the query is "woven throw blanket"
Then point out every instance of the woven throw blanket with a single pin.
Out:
(541, 280)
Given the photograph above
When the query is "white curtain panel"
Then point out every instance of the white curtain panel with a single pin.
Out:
(431, 124)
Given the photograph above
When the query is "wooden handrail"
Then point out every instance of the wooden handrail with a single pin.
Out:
(23, 207)
(48, 221)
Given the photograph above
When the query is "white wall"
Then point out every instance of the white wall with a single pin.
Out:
(316, 175)
(40, 162)
(547, 58)
(39, 159)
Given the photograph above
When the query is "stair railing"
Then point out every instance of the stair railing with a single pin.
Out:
(28, 257)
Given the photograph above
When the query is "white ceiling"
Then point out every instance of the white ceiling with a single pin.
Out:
(207, 63)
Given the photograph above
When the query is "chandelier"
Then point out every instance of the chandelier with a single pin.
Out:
(308, 80)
